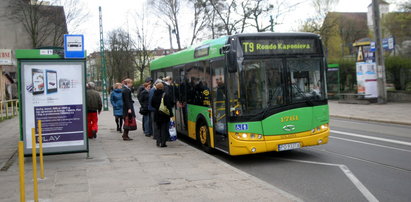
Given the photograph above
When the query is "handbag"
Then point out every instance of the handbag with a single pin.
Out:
(163, 107)
(172, 130)
(143, 111)
(130, 123)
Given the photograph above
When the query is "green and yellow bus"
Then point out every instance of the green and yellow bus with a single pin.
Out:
(250, 93)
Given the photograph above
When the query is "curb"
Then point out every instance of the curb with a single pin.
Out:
(373, 120)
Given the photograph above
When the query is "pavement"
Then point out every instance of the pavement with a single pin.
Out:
(139, 171)
(392, 112)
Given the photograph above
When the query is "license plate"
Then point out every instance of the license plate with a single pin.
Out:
(284, 147)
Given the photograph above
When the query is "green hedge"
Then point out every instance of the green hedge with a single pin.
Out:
(398, 72)
(397, 68)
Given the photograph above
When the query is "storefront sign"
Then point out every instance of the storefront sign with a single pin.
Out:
(5, 57)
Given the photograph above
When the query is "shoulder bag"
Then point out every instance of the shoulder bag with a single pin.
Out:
(163, 107)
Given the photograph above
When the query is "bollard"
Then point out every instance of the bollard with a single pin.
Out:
(7, 110)
(34, 157)
(1, 110)
(12, 108)
(41, 149)
(21, 167)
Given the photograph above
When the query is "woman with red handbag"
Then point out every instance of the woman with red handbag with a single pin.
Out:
(128, 110)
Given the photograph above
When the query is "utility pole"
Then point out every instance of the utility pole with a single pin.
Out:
(103, 63)
(379, 57)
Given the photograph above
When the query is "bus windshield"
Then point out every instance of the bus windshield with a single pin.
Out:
(268, 83)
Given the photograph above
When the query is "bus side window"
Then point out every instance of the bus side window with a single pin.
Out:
(191, 78)
(203, 88)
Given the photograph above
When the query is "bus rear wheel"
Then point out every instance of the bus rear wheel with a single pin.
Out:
(203, 135)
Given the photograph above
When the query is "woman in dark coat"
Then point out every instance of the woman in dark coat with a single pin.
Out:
(128, 105)
(162, 120)
(116, 99)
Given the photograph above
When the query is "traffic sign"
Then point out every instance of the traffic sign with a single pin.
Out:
(74, 46)
(372, 46)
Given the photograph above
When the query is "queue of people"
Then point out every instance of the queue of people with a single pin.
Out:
(156, 101)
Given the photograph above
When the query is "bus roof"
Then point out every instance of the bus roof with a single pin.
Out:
(187, 55)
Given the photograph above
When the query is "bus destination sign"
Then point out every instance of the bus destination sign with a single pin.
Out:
(278, 46)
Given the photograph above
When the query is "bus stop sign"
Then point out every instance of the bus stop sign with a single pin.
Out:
(74, 46)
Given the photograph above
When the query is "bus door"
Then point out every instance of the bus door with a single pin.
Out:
(180, 99)
(219, 105)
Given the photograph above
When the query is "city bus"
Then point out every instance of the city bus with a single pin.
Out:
(250, 93)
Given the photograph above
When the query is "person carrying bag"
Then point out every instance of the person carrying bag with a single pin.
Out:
(162, 103)
(128, 110)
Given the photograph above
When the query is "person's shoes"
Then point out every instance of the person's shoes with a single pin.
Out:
(163, 145)
(158, 144)
(148, 135)
(126, 138)
(94, 134)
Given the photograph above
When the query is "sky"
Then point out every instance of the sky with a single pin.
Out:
(121, 13)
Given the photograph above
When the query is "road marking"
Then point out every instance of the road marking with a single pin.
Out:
(370, 144)
(365, 192)
(372, 138)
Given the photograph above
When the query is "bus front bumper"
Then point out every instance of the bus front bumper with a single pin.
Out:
(271, 143)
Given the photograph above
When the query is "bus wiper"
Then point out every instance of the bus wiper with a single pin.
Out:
(307, 99)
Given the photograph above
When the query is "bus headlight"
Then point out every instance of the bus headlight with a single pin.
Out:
(320, 128)
(244, 135)
(247, 136)
(324, 126)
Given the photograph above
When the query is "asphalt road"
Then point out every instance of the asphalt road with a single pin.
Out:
(363, 161)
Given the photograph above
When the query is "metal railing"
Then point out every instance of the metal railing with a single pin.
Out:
(9, 109)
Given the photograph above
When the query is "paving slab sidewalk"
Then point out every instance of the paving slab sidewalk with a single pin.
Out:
(397, 113)
(135, 171)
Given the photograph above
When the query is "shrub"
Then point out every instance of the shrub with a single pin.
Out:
(398, 71)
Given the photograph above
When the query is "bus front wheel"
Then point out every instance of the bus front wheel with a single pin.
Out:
(203, 135)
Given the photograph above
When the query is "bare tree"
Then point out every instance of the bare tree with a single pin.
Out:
(43, 24)
(224, 11)
(119, 56)
(76, 13)
(201, 17)
(170, 10)
(318, 23)
(142, 55)
(405, 6)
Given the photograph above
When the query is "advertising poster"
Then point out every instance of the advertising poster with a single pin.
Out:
(370, 78)
(53, 92)
(367, 79)
(360, 77)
